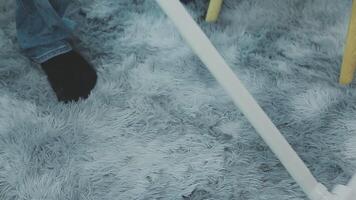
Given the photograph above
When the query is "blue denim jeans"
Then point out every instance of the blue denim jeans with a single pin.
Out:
(42, 29)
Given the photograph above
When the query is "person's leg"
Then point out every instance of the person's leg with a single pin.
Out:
(43, 36)
(186, 1)
(41, 31)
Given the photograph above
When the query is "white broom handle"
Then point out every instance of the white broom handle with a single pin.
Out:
(352, 187)
(202, 46)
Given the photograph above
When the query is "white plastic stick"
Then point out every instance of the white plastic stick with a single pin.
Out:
(202, 46)
(352, 186)
(347, 192)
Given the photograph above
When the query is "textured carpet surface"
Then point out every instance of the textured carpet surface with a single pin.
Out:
(158, 126)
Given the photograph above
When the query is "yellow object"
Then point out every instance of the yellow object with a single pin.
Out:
(349, 61)
(214, 10)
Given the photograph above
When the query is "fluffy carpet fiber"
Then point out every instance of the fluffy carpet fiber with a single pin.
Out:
(158, 126)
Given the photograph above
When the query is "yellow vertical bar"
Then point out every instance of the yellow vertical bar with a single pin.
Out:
(214, 10)
(349, 61)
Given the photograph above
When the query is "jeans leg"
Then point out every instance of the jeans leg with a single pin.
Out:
(60, 6)
(42, 31)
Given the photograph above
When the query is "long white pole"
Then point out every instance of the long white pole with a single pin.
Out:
(202, 46)
(352, 188)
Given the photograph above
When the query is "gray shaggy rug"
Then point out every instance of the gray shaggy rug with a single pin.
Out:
(158, 126)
